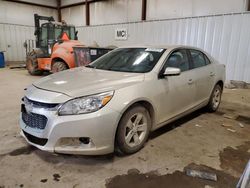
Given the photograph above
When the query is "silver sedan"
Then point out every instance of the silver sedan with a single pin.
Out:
(116, 101)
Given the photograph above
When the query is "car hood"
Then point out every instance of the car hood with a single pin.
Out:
(86, 81)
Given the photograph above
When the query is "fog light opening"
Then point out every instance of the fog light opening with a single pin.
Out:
(84, 140)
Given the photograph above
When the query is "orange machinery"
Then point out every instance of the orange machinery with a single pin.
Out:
(54, 46)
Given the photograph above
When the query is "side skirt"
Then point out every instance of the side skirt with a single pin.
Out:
(199, 106)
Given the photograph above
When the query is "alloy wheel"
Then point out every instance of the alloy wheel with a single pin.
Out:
(216, 98)
(136, 129)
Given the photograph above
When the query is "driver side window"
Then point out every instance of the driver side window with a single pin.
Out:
(178, 59)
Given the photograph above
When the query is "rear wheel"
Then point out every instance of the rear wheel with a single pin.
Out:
(32, 64)
(133, 130)
(215, 99)
(58, 66)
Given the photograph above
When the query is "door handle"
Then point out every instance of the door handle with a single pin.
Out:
(190, 81)
(212, 74)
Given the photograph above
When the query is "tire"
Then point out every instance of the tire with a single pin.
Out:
(215, 99)
(32, 64)
(58, 66)
(135, 124)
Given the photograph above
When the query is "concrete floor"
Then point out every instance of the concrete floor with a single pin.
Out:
(198, 138)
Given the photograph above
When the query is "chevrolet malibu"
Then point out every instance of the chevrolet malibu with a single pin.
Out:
(115, 102)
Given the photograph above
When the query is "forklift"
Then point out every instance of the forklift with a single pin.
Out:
(54, 46)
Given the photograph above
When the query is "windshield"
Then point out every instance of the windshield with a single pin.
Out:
(139, 60)
(67, 29)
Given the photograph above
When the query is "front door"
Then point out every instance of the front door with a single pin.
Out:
(177, 92)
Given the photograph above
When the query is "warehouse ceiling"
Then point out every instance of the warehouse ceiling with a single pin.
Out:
(54, 3)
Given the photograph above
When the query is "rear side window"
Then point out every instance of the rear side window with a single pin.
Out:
(198, 59)
(207, 60)
(178, 59)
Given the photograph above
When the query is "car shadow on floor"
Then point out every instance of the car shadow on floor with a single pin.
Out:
(104, 159)
(177, 123)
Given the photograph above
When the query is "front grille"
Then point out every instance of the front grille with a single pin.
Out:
(33, 120)
(35, 140)
(40, 104)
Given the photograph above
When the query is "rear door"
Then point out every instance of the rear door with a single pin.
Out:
(177, 92)
(204, 75)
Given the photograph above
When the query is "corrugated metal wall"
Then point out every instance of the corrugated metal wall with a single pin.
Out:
(12, 38)
(226, 37)
(17, 25)
(120, 11)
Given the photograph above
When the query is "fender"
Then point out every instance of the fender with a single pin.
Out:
(65, 55)
(65, 52)
(130, 104)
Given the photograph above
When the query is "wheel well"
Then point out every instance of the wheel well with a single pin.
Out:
(146, 105)
(220, 83)
(59, 59)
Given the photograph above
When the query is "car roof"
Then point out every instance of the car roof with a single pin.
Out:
(169, 47)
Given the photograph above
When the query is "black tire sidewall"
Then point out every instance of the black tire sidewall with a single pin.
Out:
(32, 62)
(121, 145)
(58, 64)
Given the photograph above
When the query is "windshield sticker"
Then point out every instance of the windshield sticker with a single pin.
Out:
(154, 50)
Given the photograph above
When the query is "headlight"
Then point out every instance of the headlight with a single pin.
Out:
(83, 105)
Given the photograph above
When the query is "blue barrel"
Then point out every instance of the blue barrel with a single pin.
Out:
(2, 62)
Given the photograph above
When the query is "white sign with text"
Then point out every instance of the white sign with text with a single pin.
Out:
(121, 34)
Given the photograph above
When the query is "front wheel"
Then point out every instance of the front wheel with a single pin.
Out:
(215, 99)
(32, 64)
(133, 130)
(58, 66)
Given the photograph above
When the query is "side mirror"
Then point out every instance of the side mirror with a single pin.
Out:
(172, 71)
